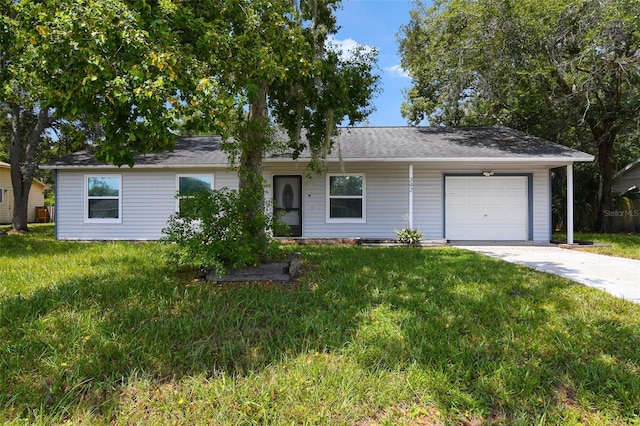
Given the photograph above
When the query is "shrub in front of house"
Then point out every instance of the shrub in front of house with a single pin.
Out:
(409, 236)
(209, 230)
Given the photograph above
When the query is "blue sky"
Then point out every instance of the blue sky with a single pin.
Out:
(375, 23)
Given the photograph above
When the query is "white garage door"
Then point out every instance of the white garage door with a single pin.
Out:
(486, 208)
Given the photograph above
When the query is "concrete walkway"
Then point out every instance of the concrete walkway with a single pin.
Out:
(617, 276)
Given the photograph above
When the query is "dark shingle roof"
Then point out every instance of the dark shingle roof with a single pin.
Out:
(189, 151)
(455, 143)
(372, 143)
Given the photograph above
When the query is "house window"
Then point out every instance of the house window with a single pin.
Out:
(346, 198)
(1, 195)
(189, 185)
(104, 198)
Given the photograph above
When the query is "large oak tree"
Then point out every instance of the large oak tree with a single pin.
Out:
(566, 70)
(80, 61)
(145, 71)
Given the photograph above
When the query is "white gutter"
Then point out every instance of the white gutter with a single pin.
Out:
(136, 167)
(561, 161)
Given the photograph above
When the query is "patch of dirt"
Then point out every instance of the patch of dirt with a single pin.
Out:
(401, 415)
(566, 396)
(11, 231)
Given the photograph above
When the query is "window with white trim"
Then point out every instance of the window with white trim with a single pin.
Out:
(346, 201)
(103, 198)
(191, 184)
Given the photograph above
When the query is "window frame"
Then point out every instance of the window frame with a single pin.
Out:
(192, 175)
(88, 219)
(362, 197)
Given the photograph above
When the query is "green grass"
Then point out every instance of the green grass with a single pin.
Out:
(94, 333)
(621, 245)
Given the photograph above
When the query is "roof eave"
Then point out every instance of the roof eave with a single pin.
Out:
(136, 166)
(563, 160)
(550, 160)
(627, 168)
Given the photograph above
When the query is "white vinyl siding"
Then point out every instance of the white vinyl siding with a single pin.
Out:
(541, 206)
(427, 201)
(386, 200)
(148, 199)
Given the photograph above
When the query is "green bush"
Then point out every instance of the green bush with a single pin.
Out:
(409, 236)
(210, 231)
(49, 197)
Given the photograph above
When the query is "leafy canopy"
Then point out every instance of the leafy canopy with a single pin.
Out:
(146, 71)
(565, 70)
(553, 68)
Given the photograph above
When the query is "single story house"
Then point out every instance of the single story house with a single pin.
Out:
(462, 183)
(36, 195)
(627, 179)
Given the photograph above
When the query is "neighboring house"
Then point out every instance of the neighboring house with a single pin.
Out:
(626, 183)
(484, 183)
(627, 179)
(36, 195)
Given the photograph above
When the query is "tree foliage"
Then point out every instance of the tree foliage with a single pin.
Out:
(565, 70)
(116, 64)
(54, 57)
(283, 77)
(208, 231)
(145, 71)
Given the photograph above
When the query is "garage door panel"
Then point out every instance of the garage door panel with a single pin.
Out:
(514, 202)
(508, 232)
(477, 185)
(458, 200)
(456, 184)
(486, 208)
(514, 184)
(476, 200)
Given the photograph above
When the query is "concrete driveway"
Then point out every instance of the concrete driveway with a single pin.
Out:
(617, 276)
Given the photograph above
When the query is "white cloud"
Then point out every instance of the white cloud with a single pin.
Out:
(398, 71)
(346, 47)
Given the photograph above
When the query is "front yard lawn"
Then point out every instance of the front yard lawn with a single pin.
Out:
(107, 333)
(622, 245)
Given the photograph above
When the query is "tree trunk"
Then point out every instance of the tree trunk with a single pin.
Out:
(605, 140)
(20, 191)
(23, 161)
(252, 147)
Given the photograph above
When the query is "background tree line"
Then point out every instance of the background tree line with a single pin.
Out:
(564, 70)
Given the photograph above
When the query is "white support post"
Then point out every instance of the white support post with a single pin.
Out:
(570, 203)
(410, 196)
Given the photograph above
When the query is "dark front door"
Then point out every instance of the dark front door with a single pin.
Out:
(287, 195)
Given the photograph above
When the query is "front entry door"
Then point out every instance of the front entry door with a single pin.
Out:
(287, 195)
